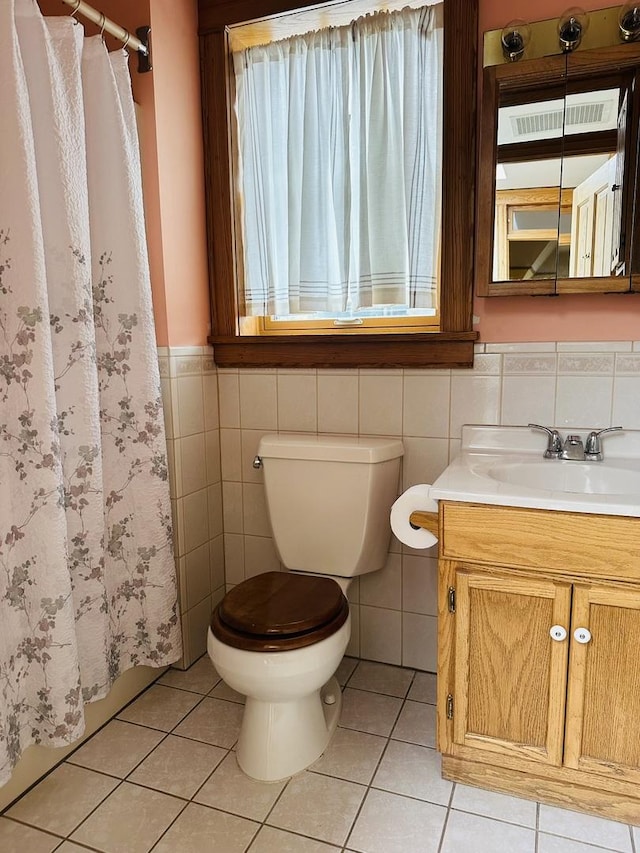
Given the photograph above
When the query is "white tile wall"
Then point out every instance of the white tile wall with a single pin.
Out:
(190, 394)
(215, 420)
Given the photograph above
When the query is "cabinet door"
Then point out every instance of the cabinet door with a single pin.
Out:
(510, 675)
(603, 705)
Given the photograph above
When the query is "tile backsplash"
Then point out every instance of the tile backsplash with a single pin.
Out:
(215, 419)
(190, 392)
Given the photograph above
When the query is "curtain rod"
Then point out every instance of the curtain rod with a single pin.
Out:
(139, 42)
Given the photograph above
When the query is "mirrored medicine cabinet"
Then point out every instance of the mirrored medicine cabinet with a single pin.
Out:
(558, 207)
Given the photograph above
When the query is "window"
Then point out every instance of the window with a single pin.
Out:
(355, 340)
(339, 165)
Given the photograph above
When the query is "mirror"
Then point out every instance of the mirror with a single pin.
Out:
(558, 164)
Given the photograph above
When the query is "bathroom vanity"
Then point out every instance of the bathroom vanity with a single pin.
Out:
(539, 621)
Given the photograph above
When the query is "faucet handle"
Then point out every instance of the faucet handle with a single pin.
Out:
(593, 449)
(554, 444)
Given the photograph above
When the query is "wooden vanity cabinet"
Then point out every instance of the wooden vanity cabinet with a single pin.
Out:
(554, 718)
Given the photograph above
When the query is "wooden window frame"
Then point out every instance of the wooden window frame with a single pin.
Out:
(452, 346)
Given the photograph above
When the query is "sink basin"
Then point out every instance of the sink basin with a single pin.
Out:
(504, 466)
(586, 478)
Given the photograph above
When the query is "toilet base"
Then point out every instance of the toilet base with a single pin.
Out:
(279, 739)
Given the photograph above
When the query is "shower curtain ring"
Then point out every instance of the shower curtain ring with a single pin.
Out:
(127, 39)
(103, 23)
(74, 10)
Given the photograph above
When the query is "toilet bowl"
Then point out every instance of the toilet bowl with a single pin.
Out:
(292, 704)
(279, 637)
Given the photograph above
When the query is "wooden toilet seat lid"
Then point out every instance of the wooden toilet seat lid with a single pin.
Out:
(280, 604)
(279, 612)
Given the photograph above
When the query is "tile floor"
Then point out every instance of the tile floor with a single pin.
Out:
(162, 776)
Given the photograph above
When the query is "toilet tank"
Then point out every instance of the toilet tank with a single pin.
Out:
(328, 499)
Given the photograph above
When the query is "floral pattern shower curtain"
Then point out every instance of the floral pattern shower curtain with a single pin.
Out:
(87, 578)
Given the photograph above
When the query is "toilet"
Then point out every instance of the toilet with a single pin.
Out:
(279, 637)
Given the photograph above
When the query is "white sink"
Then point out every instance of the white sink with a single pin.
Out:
(585, 478)
(505, 466)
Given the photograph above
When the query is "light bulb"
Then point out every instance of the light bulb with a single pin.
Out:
(629, 21)
(572, 26)
(515, 37)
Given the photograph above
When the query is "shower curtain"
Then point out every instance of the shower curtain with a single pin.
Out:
(87, 578)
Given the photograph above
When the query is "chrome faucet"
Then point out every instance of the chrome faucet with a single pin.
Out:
(573, 449)
(593, 449)
(554, 443)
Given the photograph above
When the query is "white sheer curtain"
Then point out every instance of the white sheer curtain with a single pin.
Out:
(87, 578)
(339, 136)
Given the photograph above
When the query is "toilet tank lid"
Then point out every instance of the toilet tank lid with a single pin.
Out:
(329, 448)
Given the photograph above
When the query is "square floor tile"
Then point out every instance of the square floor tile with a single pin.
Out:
(178, 766)
(69, 847)
(223, 691)
(496, 805)
(203, 830)
(468, 832)
(231, 790)
(369, 712)
(416, 724)
(555, 844)
(213, 721)
(389, 823)
(335, 805)
(423, 688)
(201, 676)
(583, 827)
(382, 678)
(351, 755)
(414, 771)
(271, 840)
(345, 670)
(63, 799)
(130, 820)
(117, 748)
(17, 838)
(160, 707)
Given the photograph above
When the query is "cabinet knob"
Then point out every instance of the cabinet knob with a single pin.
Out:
(582, 635)
(558, 633)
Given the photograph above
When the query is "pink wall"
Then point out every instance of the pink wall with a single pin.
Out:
(172, 161)
(174, 196)
(568, 318)
(180, 166)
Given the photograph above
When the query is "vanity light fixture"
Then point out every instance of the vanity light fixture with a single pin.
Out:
(629, 21)
(572, 25)
(515, 37)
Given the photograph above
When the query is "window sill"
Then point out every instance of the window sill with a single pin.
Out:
(431, 349)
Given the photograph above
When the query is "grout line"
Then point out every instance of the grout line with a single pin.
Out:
(122, 780)
(162, 834)
(591, 844)
(493, 817)
(22, 822)
(94, 809)
(373, 775)
(79, 746)
(261, 823)
(446, 817)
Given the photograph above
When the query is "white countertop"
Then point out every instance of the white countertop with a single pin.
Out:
(490, 451)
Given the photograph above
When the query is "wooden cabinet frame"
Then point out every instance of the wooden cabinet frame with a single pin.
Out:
(590, 565)
(522, 82)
